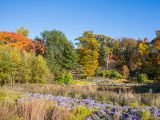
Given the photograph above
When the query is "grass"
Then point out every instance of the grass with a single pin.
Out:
(14, 108)
(40, 109)
(102, 94)
(35, 109)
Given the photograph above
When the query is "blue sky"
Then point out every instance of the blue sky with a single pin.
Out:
(115, 18)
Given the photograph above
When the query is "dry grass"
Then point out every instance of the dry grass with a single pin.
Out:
(41, 109)
(33, 109)
(7, 111)
(122, 96)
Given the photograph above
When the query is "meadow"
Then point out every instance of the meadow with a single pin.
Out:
(61, 102)
(99, 78)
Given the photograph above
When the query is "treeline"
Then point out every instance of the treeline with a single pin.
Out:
(52, 57)
(102, 55)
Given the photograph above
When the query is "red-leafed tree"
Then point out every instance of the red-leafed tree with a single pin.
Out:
(39, 46)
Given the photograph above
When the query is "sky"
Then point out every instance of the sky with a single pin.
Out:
(114, 18)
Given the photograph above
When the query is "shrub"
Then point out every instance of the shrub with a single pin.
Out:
(141, 78)
(114, 74)
(100, 73)
(146, 115)
(134, 104)
(65, 78)
(109, 73)
(80, 113)
(9, 96)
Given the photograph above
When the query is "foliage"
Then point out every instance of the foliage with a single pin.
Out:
(17, 66)
(80, 113)
(39, 46)
(114, 74)
(16, 40)
(141, 78)
(40, 72)
(80, 82)
(8, 95)
(104, 51)
(146, 115)
(59, 53)
(109, 74)
(65, 78)
(23, 31)
(88, 53)
(100, 73)
(134, 104)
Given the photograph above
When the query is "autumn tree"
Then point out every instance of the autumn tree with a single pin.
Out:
(40, 71)
(16, 40)
(104, 51)
(142, 52)
(88, 48)
(21, 67)
(23, 31)
(155, 55)
(39, 46)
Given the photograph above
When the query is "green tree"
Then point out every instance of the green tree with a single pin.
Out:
(21, 66)
(60, 53)
(23, 31)
(6, 65)
(25, 68)
(88, 49)
(40, 72)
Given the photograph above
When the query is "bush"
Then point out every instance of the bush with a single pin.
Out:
(109, 73)
(114, 74)
(9, 96)
(141, 78)
(65, 78)
(80, 113)
(134, 104)
(100, 73)
(146, 115)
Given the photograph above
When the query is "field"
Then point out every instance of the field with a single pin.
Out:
(61, 102)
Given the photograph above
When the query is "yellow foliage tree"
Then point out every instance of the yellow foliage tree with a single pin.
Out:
(88, 53)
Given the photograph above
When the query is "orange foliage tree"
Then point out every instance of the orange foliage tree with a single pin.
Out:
(17, 40)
